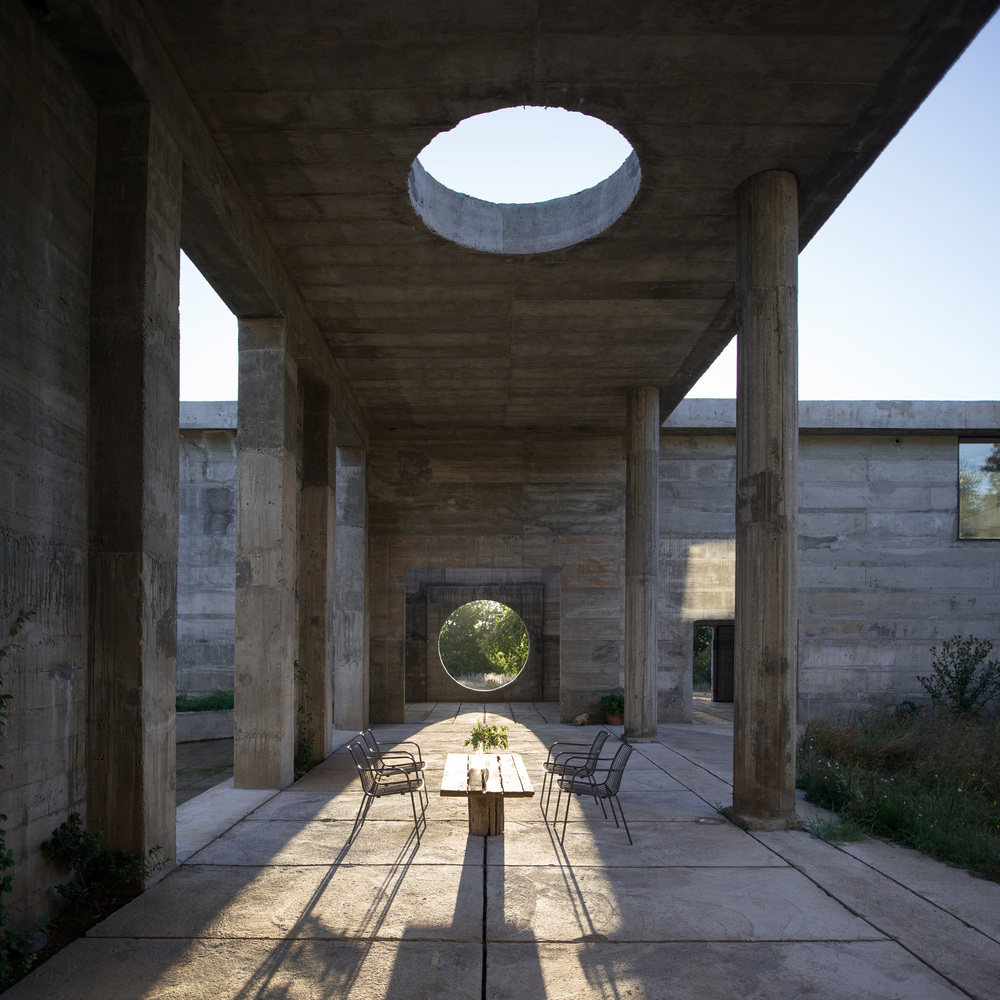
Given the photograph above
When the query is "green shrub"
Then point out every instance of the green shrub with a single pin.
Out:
(961, 681)
(103, 878)
(613, 704)
(214, 701)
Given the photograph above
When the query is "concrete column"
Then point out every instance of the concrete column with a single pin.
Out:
(266, 557)
(350, 672)
(133, 502)
(642, 530)
(766, 499)
(317, 515)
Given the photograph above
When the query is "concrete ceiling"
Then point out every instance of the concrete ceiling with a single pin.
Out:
(319, 108)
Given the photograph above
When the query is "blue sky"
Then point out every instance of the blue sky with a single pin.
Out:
(897, 292)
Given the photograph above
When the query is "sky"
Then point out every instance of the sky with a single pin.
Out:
(897, 292)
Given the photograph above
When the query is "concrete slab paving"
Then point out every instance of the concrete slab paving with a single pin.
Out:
(577, 903)
(276, 904)
(964, 954)
(179, 969)
(711, 971)
(364, 901)
(600, 843)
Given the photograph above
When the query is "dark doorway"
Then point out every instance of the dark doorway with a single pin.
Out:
(714, 643)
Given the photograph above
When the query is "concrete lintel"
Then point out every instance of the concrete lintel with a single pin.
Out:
(855, 416)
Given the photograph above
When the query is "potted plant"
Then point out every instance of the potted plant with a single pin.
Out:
(481, 739)
(613, 706)
(485, 737)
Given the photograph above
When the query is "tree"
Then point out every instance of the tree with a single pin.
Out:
(483, 637)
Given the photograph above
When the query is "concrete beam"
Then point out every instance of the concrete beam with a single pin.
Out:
(266, 557)
(766, 499)
(316, 561)
(133, 461)
(350, 673)
(642, 530)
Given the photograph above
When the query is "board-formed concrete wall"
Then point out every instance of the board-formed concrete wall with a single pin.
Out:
(48, 152)
(883, 576)
(206, 557)
(498, 505)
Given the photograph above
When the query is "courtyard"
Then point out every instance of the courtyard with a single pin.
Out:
(269, 900)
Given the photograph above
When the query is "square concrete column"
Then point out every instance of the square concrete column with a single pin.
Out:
(766, 499)
(133, 459)
(350, 673)
(266, 557)
(642, 533)
(317, 515)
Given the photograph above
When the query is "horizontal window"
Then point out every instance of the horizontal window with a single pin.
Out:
(979, 489)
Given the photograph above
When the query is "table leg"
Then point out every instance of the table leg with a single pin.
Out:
(485, 815)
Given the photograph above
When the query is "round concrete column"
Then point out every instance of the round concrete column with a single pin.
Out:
(642, 530)
(766, 499)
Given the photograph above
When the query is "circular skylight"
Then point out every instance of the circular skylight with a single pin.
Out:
(524, 180)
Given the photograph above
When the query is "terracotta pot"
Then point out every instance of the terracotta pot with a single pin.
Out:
(614, 720)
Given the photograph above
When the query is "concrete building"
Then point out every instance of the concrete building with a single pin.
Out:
(414, 413)
(883, 573)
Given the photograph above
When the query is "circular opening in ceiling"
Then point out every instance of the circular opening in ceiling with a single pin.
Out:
(483, 645)
(524, 180)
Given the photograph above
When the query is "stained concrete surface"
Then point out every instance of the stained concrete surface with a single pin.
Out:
(277, 904)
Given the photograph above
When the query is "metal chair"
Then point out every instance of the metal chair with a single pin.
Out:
(381, 779)
(561, 762)
(402, 760)
(585, 782)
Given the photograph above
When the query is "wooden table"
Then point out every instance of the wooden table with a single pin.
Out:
(507, 779)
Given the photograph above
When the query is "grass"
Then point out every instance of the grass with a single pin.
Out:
(923, 781)
(214, 701)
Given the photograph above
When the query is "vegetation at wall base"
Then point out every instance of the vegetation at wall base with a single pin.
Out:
(214, 701)
(962, 679)
(929, 781)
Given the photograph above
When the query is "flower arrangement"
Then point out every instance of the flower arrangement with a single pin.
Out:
(485, 737)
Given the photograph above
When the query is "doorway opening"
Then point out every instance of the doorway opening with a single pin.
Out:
(713, 659)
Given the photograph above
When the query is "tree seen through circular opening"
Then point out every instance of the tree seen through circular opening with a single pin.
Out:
(483, 645)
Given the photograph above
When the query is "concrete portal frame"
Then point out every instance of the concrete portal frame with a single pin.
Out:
(766, 499)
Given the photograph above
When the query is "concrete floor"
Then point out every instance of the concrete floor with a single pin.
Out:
(201, 765)
(276, 905)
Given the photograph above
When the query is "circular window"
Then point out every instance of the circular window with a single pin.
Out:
(483, 645)
(524, 180)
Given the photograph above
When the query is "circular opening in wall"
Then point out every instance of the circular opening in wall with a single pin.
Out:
(524, 180)
(483, 645)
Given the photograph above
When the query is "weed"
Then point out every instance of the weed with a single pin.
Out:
(103, 878)
(961, 680)
(931, 783)
(837, 830)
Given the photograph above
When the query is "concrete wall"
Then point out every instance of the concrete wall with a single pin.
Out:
(47, 147)
(496, 506)
(882, 574)
(206, 559)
